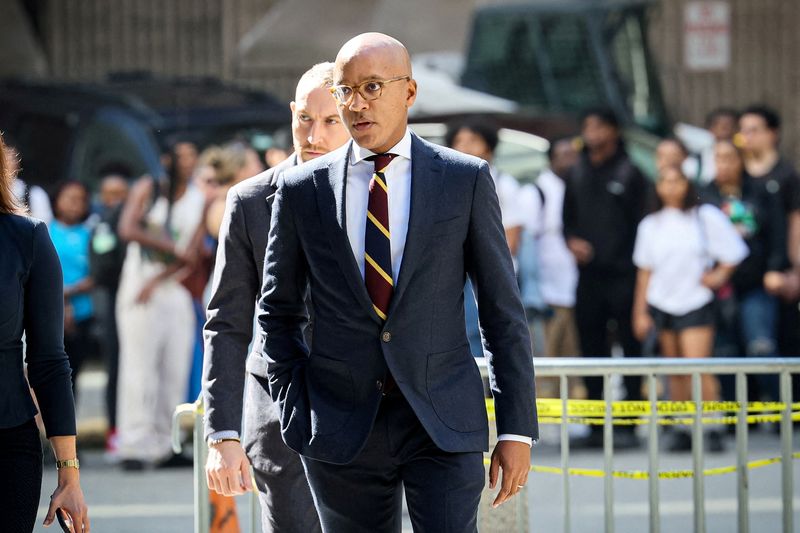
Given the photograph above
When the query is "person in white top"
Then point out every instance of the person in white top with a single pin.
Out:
(684, 252)
(556, 273)
(162, 222)
(479, 138)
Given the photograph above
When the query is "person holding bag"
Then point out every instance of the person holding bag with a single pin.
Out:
(684, 252)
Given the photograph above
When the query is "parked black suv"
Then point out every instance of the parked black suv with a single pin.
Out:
(73, 130)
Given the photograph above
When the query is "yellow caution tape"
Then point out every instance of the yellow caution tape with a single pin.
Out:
(592, 412)
(642, 474)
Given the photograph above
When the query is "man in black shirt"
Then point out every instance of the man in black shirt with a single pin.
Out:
(604, 201)
(760, 129)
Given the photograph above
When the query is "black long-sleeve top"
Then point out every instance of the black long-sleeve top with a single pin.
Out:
(604, 205)
(760, 219)
(32, 302)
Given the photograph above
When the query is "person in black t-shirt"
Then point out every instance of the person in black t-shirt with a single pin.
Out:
(760, 131)
(106, 256)
(604, 202)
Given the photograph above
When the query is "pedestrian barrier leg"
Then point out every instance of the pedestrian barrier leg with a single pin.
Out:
(697, 454)
(608, 450)
(655, 519)
(564, 390)
(786, 445)
(742, 473)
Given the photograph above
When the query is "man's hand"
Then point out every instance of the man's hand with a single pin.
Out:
(514, 458)
(581, 249)
(227, 469)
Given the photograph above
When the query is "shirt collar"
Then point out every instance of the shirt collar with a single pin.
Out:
(402, 149)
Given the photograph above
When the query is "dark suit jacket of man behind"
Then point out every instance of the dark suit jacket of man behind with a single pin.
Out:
(285, 496)
(329, 398)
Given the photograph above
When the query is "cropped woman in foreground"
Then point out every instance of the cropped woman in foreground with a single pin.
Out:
(31, 292)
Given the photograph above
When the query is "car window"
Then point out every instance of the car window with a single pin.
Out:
(44, 144)
(112, 138)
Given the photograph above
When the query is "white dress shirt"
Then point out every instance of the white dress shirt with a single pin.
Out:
(398, 178)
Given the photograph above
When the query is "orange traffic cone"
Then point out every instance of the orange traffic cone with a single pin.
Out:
(223, 514)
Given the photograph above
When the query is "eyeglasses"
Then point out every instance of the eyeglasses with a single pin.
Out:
(369, 90)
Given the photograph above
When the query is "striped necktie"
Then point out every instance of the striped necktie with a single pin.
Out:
(377, 244)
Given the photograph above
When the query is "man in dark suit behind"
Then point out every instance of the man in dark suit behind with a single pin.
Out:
(383, 232)
(285, 498)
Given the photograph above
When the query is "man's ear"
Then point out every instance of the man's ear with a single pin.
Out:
(411, 95)
(292, 106)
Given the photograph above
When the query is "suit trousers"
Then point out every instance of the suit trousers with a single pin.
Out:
(286, 504)
(442, 489)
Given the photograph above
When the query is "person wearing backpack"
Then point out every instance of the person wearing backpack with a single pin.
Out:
(106, 257)
(547, 270)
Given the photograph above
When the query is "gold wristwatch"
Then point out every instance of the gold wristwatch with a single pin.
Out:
(69, 463)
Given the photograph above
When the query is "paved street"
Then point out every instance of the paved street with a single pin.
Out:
(161, 501)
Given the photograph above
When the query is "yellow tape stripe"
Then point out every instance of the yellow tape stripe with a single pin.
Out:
(377, 267)
(379, 180)
(380, 313)
(378, 225)
(597, 408)
(724, 420)
(643, 475)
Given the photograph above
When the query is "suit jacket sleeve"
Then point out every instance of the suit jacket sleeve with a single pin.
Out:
(502, 316)
(229, 328)
(282, 310)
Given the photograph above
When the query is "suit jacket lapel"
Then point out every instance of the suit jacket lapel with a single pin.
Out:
(330, 185)
(426, 193)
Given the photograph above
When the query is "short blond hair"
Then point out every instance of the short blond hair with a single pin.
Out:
(320, 75)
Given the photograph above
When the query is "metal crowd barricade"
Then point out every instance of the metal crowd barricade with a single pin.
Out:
(651, 369)
(202, 507)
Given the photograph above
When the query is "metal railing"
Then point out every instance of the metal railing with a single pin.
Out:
(652, 369)
(607, 368)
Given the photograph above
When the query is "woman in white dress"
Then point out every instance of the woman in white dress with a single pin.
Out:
(161, 221)
(684, 252)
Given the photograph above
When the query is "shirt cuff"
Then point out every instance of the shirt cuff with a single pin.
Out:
(227, 434)
(516, 438)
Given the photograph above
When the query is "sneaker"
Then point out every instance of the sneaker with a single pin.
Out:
(681, 441)
(176, 460)
(715, 442)
(111, 454)
(132, 465)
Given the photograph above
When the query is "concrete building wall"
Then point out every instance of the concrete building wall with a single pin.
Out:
(86, 39)
(764, 64)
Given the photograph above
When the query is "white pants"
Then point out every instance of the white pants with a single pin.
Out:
(155, 358)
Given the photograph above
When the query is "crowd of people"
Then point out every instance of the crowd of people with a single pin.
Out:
(704, 263)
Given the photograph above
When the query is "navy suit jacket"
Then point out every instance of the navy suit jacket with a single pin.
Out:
(329, 396)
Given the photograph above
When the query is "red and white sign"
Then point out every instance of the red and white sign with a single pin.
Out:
(707, 31)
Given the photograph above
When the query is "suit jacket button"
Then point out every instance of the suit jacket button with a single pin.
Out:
(379, 385)
(386, 337)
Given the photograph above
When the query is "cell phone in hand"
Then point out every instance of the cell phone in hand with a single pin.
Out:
(64, 521)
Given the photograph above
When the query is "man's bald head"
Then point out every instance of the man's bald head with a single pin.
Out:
(379, 45)
(373, 73)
